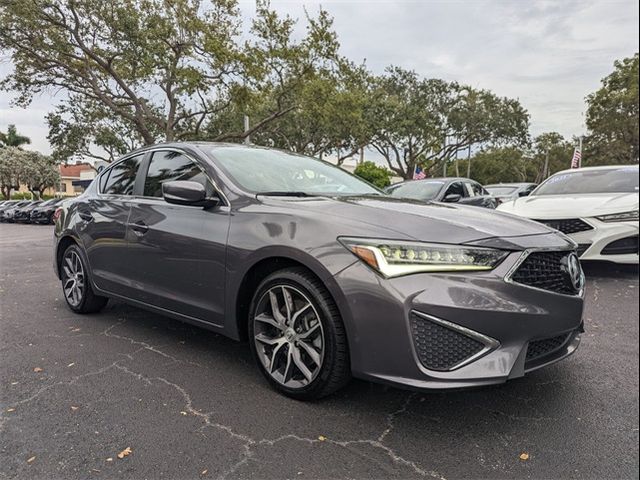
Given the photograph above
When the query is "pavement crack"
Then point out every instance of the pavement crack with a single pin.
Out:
(145, 345)
(392, 416)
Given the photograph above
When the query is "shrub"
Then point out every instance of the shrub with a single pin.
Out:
(372, 173)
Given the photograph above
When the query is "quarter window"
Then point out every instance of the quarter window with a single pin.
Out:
(122, 177)
(169, 166)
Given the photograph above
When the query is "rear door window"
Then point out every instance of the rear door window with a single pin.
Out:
(456, 188)
(167, 166)
(122, 177)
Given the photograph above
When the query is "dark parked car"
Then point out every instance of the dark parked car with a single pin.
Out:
(23, 214)
(8, 211)
(505, 192)
(43, 213)
(325, 275)
(448, 190)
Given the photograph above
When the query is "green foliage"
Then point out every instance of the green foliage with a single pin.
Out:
(612, 117)
(374, 174)
(10, 161)
(140, 71)
(12, 138)
(500, 165)
(429, 121)
(512, 164)
(38, 172)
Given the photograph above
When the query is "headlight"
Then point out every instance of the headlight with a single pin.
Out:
(620, 217)
(393, 258)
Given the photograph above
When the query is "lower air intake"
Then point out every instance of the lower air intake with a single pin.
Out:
(541, 348)
(439, 347)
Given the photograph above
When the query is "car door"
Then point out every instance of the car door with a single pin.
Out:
(176, 253)
(103, 224)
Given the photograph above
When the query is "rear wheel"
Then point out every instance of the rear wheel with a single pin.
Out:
(297, 336)
(76, 287)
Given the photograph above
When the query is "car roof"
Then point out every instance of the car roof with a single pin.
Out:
(510, 184)
(602, 167)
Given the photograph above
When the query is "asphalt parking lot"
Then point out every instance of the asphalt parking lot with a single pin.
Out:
(77, 390)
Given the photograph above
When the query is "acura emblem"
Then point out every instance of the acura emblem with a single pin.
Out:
(574, 270)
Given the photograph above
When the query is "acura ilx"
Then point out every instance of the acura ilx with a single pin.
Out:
(325, 276)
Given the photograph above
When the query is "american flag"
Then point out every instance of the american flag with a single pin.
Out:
(577, 157)
(418, 173)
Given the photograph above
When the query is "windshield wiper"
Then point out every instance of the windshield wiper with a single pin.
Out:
(284, 194)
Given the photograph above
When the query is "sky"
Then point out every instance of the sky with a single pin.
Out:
(547, 54)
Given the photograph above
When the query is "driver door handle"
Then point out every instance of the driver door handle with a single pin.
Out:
(139, 228)
(86, 216)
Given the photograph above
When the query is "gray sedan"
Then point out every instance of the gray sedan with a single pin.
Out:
(449, 190)
(323, 274)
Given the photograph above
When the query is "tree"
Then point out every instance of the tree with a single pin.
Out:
(12, 138)
(10, 161)
(33, 169)
(552, 150)
(428, 122)
(331, 116)
(612, 117)
(38, 172)
(501, 165)
(154, 70)
(374, 174)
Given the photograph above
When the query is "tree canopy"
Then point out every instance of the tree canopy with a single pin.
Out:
(138, 71)
(12, 138)
(429, 121)
(612, 117)
(38, 172)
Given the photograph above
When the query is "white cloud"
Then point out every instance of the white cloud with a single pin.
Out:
(548, 54)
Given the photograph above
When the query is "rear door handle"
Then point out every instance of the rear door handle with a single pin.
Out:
(139, 228)
(86, 216)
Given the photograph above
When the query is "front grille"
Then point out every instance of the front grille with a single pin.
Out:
(545, 270)
(568, 225)
(441, 348)
(541, 348)
(624, 246)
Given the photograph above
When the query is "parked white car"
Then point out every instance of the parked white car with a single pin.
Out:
(596, 206)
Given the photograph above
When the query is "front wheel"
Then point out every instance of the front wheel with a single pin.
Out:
(297, 336)
(76, 287)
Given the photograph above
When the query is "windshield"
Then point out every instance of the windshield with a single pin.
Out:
(260, 170)
(499, 191)
(621, 180)
(418, 190)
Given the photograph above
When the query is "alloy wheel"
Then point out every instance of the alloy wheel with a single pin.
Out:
(288, 336)
(74, 278)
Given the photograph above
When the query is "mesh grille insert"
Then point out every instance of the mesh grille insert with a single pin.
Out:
(439, 347)
(568, 225)
(545, 270)
(546, 346)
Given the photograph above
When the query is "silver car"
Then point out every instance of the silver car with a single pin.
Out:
(324, 275)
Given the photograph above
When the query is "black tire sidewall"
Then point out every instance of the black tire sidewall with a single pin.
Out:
(299, 281)
(85, 294)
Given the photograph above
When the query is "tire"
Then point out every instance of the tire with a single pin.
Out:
(76, 286)
(300, 335)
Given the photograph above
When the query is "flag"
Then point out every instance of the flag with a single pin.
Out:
(418, 173)
(576, 161)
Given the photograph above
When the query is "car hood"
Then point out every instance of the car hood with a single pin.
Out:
(414, 220)
(549, 207)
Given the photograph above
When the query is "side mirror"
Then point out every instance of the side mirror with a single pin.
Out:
(452, 198)
(183, 192)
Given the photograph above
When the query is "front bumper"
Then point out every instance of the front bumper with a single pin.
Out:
(383, 346)
(603, 234)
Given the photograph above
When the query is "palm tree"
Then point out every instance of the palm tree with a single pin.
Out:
(12, 138)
